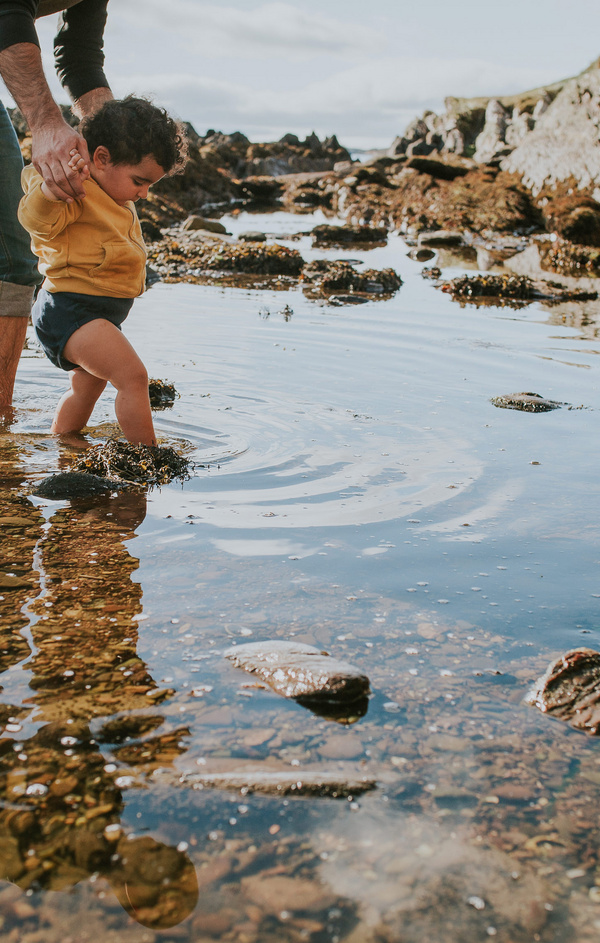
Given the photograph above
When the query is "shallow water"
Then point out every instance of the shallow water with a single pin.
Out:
(356, 490)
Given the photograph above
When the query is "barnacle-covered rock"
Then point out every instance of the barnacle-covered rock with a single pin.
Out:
(526, 402)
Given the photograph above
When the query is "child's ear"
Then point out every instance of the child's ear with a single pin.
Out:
(101, 156)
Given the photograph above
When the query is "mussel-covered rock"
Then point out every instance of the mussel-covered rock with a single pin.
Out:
(145, 464)
(527, 402)
(74, 484)
(301, 672)
(570, 690)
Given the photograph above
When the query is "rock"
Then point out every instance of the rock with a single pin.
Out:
(515, 290)
(74, 484)
(570, 690)
(441, 237)
(338, 300)
(325, 235)
(437, 168)
(252, 236)
(564, 144)
(324, 278)
(329, 784)
(278, 892)
(526, 402)
(198, 222)
(421, 255)
(491, 141)
(300, 671)
(575, 218)
(8, 582)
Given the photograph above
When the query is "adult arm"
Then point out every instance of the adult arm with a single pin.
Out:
(52, 138)
(79, 61)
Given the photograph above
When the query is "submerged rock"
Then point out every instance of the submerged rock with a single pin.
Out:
(327, 783)
(145, 464)
(74, 484)
(301, 672)
(570, 690)
(526, 402)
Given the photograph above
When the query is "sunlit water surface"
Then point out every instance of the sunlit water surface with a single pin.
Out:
(355, 489)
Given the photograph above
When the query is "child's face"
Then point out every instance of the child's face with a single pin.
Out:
(124, 182)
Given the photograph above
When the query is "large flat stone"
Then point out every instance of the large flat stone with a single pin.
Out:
(300, 671)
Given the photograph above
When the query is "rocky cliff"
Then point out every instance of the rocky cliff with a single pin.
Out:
(548, 136)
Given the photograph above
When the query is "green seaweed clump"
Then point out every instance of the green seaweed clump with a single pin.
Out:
(144, 464)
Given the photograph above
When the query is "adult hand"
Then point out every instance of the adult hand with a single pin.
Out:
(54, 145)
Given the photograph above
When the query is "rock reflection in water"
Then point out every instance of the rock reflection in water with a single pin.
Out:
(61, 800)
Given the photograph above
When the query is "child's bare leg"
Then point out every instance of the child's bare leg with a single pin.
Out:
(76, 406)
(102, 351)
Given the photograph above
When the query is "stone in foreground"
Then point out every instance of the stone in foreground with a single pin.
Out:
(74, 484)
(301, 672)
(330, 784)
(570, 690)
(526, 402)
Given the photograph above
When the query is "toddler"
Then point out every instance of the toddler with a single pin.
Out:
(92, 255)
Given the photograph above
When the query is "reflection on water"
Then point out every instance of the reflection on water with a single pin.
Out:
(357, 491)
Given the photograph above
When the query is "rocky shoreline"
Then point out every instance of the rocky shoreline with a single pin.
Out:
(493, 174)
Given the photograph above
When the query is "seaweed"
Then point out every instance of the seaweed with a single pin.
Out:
(144, 464)
(162, 394)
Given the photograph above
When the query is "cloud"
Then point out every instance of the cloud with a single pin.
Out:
(374, 98)
(278, 29)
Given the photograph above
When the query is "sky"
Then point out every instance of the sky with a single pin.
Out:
(360, 69)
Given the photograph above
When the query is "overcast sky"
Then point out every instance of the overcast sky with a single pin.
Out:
(361, 69)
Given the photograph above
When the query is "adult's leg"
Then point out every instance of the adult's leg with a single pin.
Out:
(102, 351)
(18, 266)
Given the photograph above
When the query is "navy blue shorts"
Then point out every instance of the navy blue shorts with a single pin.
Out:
(57, 315)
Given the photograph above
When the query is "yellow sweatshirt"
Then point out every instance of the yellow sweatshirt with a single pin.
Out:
(91, 247)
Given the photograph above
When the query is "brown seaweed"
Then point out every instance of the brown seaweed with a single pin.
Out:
(144, 464)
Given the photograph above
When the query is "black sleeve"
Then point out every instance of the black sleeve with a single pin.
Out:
(16, 22)
(79, 47)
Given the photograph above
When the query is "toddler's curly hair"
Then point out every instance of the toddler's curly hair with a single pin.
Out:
(133, 128)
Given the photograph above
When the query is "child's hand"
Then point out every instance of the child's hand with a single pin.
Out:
(78, 163)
